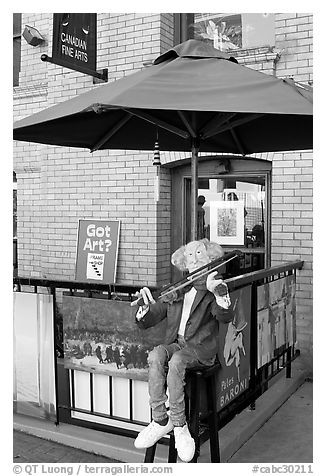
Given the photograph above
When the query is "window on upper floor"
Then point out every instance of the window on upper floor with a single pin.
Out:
(17, 22)
(228, 31)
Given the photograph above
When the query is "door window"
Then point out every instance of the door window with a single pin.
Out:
(232, 211)
(234, 207)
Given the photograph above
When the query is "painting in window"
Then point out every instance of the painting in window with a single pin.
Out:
(226, 31)
(227, 222)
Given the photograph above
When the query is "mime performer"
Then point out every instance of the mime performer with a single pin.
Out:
(191, 340)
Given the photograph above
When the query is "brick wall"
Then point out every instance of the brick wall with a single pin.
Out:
(57, 185)
(292, 196)
(29, 97)
(294, 39)
(292, 233)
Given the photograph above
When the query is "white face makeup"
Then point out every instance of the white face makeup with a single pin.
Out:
(196, 256)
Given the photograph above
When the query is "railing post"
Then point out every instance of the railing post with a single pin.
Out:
(288, 371)
(53, 292)
(253, 345)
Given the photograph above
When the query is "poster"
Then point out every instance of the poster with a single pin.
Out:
(101, 336)
(97, 249)
(227, 222)
(276, 318)
(234, 349)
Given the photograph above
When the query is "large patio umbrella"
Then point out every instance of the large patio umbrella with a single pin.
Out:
(192, 97)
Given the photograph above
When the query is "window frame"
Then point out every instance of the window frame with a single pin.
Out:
(17, 26)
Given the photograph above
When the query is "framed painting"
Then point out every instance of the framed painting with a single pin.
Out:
(227, 222)
(101, 336)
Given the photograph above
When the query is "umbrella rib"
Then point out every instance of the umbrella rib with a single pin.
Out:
(237, 141)
(111, 132)
(210, 128)
(236, 123)
(158, 122)
(187, 123)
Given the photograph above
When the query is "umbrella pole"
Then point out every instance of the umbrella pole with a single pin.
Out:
(194, 187)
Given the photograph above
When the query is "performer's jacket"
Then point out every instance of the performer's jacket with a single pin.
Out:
(202, 328)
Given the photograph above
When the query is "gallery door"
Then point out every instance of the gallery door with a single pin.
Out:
(234, 209)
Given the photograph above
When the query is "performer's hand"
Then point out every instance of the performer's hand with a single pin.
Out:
(216, 286)
(170, 297)
(143, 295)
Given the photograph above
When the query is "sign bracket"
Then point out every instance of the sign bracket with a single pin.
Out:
(101, 75)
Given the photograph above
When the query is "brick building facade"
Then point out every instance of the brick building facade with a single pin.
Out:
(56, 186)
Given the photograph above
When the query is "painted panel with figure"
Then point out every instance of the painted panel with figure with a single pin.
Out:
(234, 351)
(276, 313)
(101, 336)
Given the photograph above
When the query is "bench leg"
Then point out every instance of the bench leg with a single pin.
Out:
(195, 405)
(213, 420)
(173, 454)
(150, 454)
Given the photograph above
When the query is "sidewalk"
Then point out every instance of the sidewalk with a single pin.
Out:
(31, 449)
(271, 433)
(287, 437)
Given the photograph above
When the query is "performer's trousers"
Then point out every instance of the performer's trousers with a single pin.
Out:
(167, 368)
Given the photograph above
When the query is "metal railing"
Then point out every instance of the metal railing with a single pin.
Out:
(259, 377)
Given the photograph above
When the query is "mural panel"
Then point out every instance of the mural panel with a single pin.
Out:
(276, 313)
(101, 336)
(234, 350)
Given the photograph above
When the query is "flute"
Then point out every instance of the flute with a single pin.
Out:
(193, 276)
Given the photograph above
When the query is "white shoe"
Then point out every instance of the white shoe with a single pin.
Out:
(151, 434)
(184, 443)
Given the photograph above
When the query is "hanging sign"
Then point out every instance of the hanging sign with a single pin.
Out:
(97, 250)
(74, 41)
